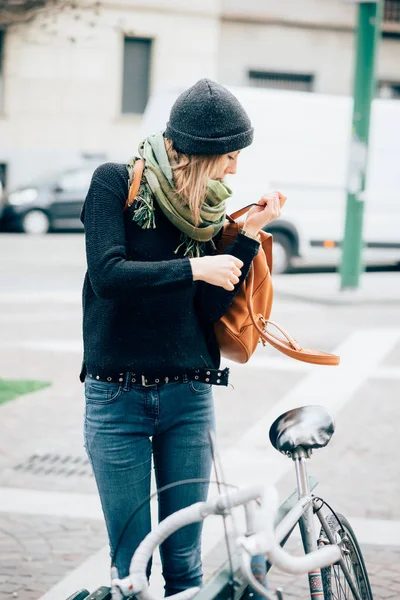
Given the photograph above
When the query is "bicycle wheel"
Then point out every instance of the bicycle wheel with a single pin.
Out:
(334, 581)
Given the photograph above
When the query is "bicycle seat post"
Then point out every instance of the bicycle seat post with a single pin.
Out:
(306, 523)
(299, 456)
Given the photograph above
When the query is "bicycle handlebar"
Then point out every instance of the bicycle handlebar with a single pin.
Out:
(260, 542)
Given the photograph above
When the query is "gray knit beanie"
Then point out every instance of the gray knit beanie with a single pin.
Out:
(208, 119)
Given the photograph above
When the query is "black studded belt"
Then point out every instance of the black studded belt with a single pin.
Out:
(213, 376)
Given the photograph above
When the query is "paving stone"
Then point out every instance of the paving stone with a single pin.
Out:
(63, 550)
(359, 471)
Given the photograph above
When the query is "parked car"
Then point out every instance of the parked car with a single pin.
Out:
(48, 204)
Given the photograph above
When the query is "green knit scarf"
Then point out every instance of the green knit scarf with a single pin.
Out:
(158, 183)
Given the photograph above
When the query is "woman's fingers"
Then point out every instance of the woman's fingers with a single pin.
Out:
(236, 271)
(277, 205)
(237, 262)
(282, 199)
(223, 270)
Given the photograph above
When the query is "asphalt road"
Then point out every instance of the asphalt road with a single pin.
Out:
(45, 537)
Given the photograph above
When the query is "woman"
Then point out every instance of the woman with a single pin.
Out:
(153, 289)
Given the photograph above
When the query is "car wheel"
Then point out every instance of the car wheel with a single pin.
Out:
(281, 253)
(35, 222)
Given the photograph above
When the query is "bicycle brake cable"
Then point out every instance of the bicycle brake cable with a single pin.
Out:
(218, 467)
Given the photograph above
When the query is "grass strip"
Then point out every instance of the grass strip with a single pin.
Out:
(11, 389)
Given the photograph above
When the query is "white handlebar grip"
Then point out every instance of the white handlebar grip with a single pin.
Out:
(303, 564)
(238, 497)
(186, 516)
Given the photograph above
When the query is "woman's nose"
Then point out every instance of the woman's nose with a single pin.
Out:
(232, 168)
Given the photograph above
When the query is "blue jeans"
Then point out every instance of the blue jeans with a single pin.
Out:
(125, 424)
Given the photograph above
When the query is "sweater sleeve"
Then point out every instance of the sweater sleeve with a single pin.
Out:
(214, 301)
(111, 274)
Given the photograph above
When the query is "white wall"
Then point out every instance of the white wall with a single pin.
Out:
(323, 12)
(63, 77)
(326, 54)
(63, 81)
(307, 36)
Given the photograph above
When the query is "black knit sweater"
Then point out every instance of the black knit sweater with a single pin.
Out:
(142, 311)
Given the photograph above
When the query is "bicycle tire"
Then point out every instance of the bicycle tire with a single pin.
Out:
(334, 582)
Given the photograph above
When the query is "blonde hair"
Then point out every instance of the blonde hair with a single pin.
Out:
(191, 174)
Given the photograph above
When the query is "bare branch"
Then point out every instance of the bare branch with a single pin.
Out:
(13, 12)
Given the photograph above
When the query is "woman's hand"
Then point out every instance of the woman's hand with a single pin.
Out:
(222, 270)
(267, 209)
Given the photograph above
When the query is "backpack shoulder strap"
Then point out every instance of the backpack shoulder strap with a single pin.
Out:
(134, 188)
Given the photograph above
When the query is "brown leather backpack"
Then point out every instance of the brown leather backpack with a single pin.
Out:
(244, 324)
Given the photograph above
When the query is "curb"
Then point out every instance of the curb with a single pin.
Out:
(335, 301)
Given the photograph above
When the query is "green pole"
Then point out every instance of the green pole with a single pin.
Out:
(369, 20)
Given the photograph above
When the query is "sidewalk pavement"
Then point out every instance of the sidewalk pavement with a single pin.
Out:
(324, 288)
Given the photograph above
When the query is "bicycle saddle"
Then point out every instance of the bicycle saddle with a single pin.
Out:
(309, 427)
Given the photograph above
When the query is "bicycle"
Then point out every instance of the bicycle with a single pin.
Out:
(332, 560)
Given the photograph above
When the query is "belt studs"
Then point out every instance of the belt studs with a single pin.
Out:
(97, 377)
(120, 379)
(207, 379)
(196, 376)
(109, 378)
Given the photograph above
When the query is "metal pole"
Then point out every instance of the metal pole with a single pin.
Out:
(369, 20)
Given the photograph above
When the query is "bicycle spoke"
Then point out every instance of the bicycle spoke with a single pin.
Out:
(336, 584)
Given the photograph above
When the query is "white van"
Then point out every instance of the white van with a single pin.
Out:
(301, 148)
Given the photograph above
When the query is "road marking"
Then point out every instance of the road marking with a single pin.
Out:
(28, 297)
(332, 387)
(74, 346)
(259, 361)
(376, 531)
(386, 372)
(56, 504)
(91, 574)
(253, 456)
(94, 572)
(263, 361)
(42, 317)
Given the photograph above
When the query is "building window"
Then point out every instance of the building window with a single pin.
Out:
(281, 81)
(391, 19)
(3, 179)
(1, 67)
(389, 89)
(136, 77)
(391, 11)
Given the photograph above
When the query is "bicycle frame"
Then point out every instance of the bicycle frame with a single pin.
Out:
(307, 525)
(299, 508)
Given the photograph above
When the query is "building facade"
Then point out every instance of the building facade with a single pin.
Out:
(74, 85)
(302, 44)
